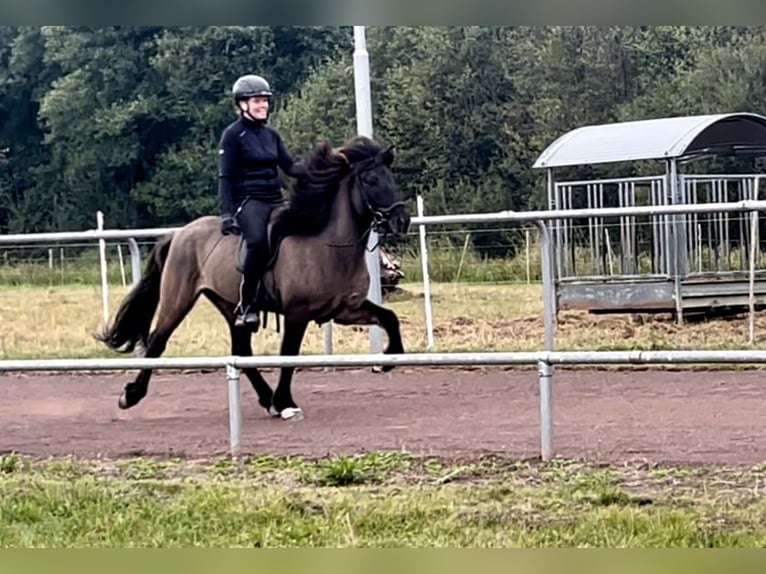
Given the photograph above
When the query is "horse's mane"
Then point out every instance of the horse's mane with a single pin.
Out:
(308, 211)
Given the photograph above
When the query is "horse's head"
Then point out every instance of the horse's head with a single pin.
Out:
(376, 193)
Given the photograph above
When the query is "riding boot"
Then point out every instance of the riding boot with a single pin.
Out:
(247, 313)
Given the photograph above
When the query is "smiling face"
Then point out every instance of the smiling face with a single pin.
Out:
(255, 107)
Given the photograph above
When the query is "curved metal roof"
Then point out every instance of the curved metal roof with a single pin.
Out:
(662, 138)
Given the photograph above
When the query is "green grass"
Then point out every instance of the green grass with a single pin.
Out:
(393, 499)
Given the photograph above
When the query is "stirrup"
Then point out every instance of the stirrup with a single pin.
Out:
(248, 319)
(245, 316)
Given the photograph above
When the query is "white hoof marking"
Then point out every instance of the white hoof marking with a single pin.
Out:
(291, 414)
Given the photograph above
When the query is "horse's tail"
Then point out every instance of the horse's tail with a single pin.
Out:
(134, 317)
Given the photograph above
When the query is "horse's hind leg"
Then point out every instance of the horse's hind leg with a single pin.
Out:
(368, 313)
(177, 297)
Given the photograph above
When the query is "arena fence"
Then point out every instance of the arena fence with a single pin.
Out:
(545, 361)
(541, 219)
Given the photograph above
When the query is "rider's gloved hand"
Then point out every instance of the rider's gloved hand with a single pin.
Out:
(229, 225)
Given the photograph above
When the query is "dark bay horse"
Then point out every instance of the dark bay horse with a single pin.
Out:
(319, 271)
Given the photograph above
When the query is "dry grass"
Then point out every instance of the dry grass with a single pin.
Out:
(59, 322)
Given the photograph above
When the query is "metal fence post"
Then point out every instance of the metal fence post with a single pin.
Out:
(135, 260)
(363, 101)
(426, 278)
(104, 270)
(545, 368)
(235, 410)
(548, 286)
(327, 336)
(545, 376)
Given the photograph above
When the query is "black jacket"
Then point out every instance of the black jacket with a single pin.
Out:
(248, 156)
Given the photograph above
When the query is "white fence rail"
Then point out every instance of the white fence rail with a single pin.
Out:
(545, 361)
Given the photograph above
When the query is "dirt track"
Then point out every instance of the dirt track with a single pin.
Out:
(668, 417)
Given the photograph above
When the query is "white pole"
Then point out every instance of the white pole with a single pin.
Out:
(529, 268)
(102, 257)
(751, 289)
(462, 256)
(364, 128)
(327, 332)
(426, 278)
(235, 411)
(122, 264)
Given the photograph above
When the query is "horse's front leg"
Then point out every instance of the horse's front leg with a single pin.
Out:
(283, 402)
(368, 313)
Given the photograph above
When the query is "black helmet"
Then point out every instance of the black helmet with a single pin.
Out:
(250, 85)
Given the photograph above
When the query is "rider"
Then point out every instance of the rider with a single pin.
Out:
(249, 189)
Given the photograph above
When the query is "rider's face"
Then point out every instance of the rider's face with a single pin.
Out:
(256, 107)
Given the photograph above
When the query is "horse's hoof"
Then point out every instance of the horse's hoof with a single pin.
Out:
(291, 414)
(273, 412)
(377, 369)
(122, 402)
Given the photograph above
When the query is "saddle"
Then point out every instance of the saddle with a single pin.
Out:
(273, 239)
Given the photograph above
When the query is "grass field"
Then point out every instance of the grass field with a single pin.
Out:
(375, 500)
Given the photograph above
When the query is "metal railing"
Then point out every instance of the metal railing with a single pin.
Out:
(545, 360)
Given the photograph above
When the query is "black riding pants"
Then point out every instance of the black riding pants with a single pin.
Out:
(252, 218)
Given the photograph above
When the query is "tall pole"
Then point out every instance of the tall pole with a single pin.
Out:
(364, 128)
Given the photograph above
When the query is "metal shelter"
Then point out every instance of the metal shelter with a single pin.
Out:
(675, 263)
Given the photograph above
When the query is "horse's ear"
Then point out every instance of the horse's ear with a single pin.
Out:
(388, 155)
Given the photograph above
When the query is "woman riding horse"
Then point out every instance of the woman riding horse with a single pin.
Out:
(317, 269)
(248, 183)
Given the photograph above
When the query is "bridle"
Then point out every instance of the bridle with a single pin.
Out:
(381, 216)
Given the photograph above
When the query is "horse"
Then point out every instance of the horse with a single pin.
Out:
(316, 272)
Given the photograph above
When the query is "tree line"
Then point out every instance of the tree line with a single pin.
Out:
(127, 119)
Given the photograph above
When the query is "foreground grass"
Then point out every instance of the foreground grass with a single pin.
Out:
(59, 322)
(375, 500)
